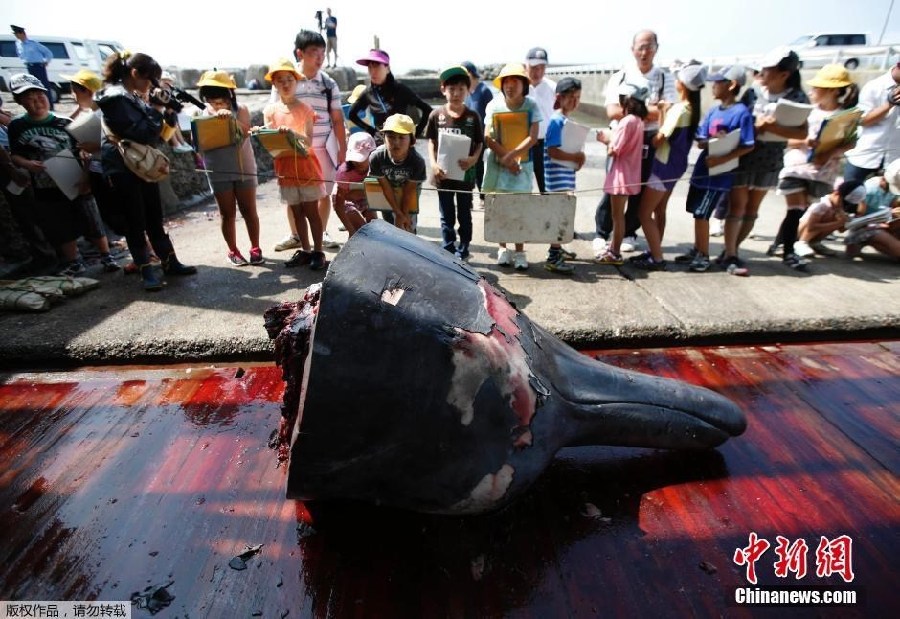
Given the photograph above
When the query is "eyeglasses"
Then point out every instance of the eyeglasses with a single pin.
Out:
(645, 48)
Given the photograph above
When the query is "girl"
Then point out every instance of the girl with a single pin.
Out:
(832, 92)
(384, 96)
(127, 114)
(509, 168)
(758, 171)
(350, 204)
(232, 169)
(672, 143)
(299, 177)
(624, 176)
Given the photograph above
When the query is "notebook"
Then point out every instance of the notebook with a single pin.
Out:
(451, 148)
(837, 131)
(723, 145)
(85, 128)
(787, 114)
(510, 129)
(574, 135)
(378, 202)
(212, 132)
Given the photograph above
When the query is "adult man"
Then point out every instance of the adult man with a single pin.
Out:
(543, 91)
(330, 38)
(329, 137)
(879, 140)
(35, 56)
(644, 46)
(479, 96)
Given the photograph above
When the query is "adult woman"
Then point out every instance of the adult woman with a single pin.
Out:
(128, 114)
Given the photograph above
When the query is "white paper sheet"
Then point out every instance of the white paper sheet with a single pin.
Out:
(574, 136)
(787, 114)
(451, 148)
(14, 188)
(63, 168)
(85, 128)
(722, 146)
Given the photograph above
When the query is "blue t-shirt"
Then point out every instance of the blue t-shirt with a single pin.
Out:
(721, 120)
(557, 177)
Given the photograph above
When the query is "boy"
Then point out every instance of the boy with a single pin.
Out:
(707, 191)
(396, 164)
(455, 118)
(35, 137)
(509, 168)
(557, 175)
(827, 215)
(299, 176)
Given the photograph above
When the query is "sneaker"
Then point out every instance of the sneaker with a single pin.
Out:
(236, 258)
(609, 258)
(462, 255)
(629, 244)
(735, 266)
(647, 263)
(641, 256)
(182, 148)
(568, 254)
(520, 262)
(795, 262)
(317, 261)
(76, 267)
(720, 259)
(802, 249)
(328, 242)
(688, 257)
(718, 228)
(556, 263)
(256, 256)
(109, 263)
(300, 258)
(820, 249)
(288, 242)
(504, 257)
(599, 245)
(700, 263)
(773, 249)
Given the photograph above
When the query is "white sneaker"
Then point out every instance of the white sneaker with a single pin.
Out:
(598, 245)
(802, 249)
(182, 148)
(328, 242)
(630, 244)
(718, 228)
(520, 261)
(288, 242)
(504, 257)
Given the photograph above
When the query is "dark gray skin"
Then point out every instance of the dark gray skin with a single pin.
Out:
(426, 390)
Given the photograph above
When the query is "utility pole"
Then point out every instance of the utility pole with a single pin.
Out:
(887, 19)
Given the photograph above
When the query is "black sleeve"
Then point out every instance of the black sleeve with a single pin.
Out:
(131, 120)
(356, 114)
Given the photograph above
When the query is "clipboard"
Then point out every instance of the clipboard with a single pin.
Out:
(836, 131)
(510, 129)
(378, 202)
(574, 136)
(723, 145)
(212, 132)
(787, 114)
(279, 144)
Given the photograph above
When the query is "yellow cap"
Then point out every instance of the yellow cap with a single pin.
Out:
(516, 69)
(399, 123)
(357, 93)
(831, 76)
(283, 64)
(220, 79)
(88, 79)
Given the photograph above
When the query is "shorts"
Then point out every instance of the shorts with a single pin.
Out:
(61, 220)
(702, 202)
(814, 189)
(293, 194)
(328, 169)
(763, 181)
(657, 184)
(92, 224)
(223, 186)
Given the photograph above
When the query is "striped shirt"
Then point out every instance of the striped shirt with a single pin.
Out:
(557, 177)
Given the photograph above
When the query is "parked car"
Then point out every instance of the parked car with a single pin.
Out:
(849, 49)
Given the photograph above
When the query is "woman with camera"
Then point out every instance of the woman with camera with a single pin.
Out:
(135, 109)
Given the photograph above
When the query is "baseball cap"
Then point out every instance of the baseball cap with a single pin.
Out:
(399, 123)
(20, 82)
(784, 58)
(536, 56)
(360, 146)
(635, 87)
(17, 29)
(283, 64)
(375, 55)
(831, 76)
(892, 176)
(734, 73)
(566, 84)
(471, 68)
(455, 71)
(86, 78)
(692, 76)
(852, 192)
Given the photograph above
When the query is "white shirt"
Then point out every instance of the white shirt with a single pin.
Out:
(878, 143)
(659, 79)
(544, 94)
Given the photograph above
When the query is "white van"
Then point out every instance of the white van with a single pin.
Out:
(69, 55)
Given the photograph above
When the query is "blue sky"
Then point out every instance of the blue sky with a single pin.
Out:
(191, 34)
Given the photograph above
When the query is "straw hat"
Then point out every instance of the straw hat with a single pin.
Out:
(283, 64)
(831, 76)
(220, 79)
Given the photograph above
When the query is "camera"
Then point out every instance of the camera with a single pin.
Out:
(164, 97)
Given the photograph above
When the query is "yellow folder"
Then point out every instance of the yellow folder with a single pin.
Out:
(278, 143)
(377, 200)
(212, 132)
(511, 128)
(837, 131)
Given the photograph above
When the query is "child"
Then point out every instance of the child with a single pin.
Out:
(882, 197)
(800, 179)
(509, 168)
(396, 164)
(672, 143)
(557, 176)
(35, 137)
(706, 191)
(624, 176)
(455, 118)
(828, 215)
(350, 204)
(232, 169)
(299, 176)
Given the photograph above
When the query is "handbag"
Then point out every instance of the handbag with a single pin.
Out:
(145, 162)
